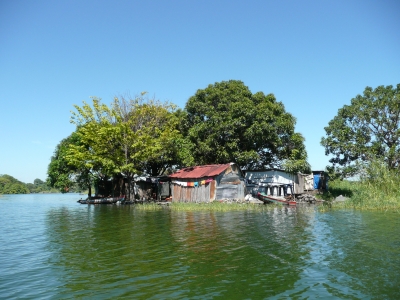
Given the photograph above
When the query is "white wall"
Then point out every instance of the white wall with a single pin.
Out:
(271, 176)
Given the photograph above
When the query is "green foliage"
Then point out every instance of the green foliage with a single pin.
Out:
(334, 173)
(223, 123)
(339, 187)
(10, 185)
(132, 136)
(377, 189)
(365, 130)
(381, 182)
(63, 175)
(38, 186)
(227, 123)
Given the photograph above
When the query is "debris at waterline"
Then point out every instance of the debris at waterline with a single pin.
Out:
(340, 198)
(306, 198)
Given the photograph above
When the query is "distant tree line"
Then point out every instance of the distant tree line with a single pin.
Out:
(225, 122)
(10, 185)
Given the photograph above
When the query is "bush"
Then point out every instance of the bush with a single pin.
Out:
(377, 189)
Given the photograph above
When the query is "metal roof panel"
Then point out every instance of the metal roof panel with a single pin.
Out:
(201, 171)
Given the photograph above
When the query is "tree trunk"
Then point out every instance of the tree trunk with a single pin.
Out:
(129, 180)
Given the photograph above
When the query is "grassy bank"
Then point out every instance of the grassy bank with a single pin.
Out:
(377, 190)
(213, 206)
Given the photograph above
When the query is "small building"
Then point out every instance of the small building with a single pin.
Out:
(142, 187)
(320, 180)
(148, 187)
(208, 183)
(293, 183)
(109, 186)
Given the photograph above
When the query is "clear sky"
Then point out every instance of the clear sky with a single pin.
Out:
(314, 56)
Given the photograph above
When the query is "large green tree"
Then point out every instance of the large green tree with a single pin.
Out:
(227, 123)
(62, 174)
(365, 130)
(131, 136)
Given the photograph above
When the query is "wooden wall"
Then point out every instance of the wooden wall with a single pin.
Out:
(192, 194)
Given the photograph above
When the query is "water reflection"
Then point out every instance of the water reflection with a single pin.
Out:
(175, 253)
(108, 246)
(119, 252)
(242, 254)
(370, 252)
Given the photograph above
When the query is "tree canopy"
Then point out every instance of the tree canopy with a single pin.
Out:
(131, 136)
(225, 122)
(63, 175)
(365, 130)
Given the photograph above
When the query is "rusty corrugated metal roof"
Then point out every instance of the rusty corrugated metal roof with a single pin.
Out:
(200, 171)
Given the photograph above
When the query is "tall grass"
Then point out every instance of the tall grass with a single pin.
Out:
(345, 188)
(377, 189)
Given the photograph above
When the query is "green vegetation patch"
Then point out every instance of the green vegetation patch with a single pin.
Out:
(212, 206)
(377, 189)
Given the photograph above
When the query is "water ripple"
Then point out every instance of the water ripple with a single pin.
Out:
(53, 248)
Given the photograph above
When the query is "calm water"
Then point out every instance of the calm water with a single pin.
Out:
(54, 248)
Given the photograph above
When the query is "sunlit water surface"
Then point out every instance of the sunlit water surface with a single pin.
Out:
(54, 248)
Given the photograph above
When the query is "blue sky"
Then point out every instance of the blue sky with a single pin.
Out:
(314, 56)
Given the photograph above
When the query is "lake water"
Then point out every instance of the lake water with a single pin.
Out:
(54, 248)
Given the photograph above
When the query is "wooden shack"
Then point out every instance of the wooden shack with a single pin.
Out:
(151, 187)
(208, 183)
